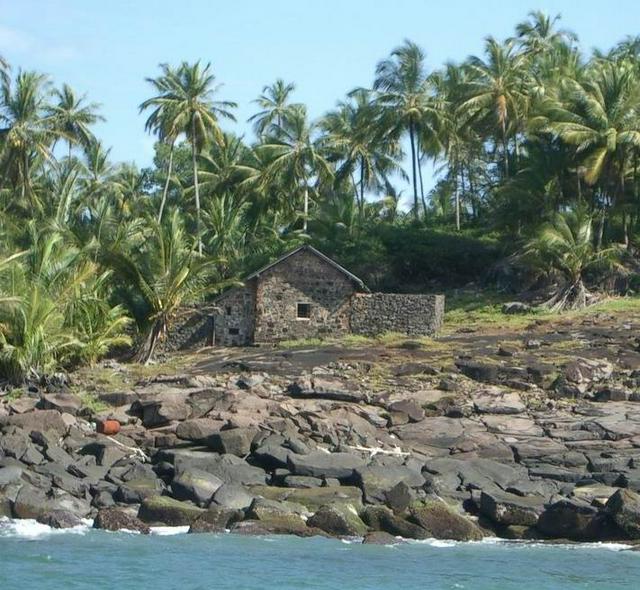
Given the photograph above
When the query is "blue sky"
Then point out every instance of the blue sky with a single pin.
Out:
(327, 47)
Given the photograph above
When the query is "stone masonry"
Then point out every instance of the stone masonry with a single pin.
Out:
(304, 294)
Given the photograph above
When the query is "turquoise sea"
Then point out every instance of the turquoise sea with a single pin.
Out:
(34, 557)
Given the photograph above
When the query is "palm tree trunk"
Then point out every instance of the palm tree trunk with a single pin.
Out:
(413, 169)
(505, 150)
(361, 204)
(166, 184)
(195, 184)
(306, 208)
(457, 191)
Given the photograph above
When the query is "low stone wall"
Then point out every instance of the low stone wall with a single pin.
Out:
(192, 330)
(414, 315)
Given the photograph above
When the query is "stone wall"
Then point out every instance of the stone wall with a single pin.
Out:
(302, 279)
(192, 329)
(234, 323)
(415, 315)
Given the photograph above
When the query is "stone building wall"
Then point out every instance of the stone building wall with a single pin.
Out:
(415, 315)
(193, 328)
(234, 324)
(303, 279)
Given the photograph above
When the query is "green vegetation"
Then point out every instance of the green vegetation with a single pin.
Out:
(527, 137)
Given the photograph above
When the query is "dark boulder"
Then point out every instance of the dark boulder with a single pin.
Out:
(569, 518)
(505, 508)
(380, 518)
(624, 508)
(380, 538)
(196, 486)
(168, 511)
(339, 521)
(216, 520)
(320, 464)
(115, 519)
(236, 441)
(443, 523)
(59, 519)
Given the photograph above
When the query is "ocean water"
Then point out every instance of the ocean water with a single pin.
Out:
(32, 556)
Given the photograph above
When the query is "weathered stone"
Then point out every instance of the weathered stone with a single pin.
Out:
(410, 408)
(324, 388)
(505, 508)
(116, 519)
(624, 508)
(380, 518)
(569, 518)
(338, 520)
(496, 401)
(198, 429)
(158, 412)
(62, 402)
(10, 474)
(41, 420)
(380, 538)
(321, 464)
(313, 498)
(232, 496)
(196, 486)
(216, 520)
(168, 511)
(377, 480)
(59, 519)
(515, 307)
(442, 522)
(236, 441)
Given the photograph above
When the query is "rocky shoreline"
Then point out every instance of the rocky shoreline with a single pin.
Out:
(518, 442)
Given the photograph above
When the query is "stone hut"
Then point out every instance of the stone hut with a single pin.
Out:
(305, 294)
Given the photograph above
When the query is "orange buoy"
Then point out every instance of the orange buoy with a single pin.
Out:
(108, 427)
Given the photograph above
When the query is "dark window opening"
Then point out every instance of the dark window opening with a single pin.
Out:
(304, 311)
(234, 331)
(228, 309)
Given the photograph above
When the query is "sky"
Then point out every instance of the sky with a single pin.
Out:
(106, 49)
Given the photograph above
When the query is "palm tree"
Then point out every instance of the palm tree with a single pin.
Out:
(600, 118)
(162, 274)
(164, 122)
(4, 70)
(539, 33)
(365, 154)
(407, 102)
(26, 131)
(296, 158)
(186, 96)
(72, 117)
(274, 102)
(566, 247)
(496, 92)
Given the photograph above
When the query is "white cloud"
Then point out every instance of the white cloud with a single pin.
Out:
(21, 43)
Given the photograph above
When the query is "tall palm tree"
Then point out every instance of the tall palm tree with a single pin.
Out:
(275, 105)
(26, 131)
(4, 70)
(406, 100)
(73, 116)
(296, 158)
(164, 121)
(364, 153)
(539, 33)
(600, 118)
(496, 92)
(186, 93)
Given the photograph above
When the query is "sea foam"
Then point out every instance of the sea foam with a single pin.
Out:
(31, 529)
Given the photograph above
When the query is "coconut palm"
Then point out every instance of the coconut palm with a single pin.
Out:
(296, 159)
(161, 275)
(407, 102)
(600, 118)
(275, 105)
(4, 70)
(26, 130)
(73, 117)
(497, 93)
(539, 33)
(163, 122)
(566, 247)
(363, 152)
(186, 96)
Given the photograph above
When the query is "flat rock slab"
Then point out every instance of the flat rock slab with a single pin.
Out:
(496, 401)
(321, 464)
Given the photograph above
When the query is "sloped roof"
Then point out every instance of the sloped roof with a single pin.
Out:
(317, 253)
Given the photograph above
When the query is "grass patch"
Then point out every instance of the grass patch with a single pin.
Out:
(92, 403)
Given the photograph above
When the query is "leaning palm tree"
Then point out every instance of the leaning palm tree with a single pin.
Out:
(296, 159)
(275, 105)
(565, 248)
(186, 95)
(73, 117)
(161, 275)
(408, 106)
(4, 70)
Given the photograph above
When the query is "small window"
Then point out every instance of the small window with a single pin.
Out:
(234, 331)
(228, 310)
(304, 311)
